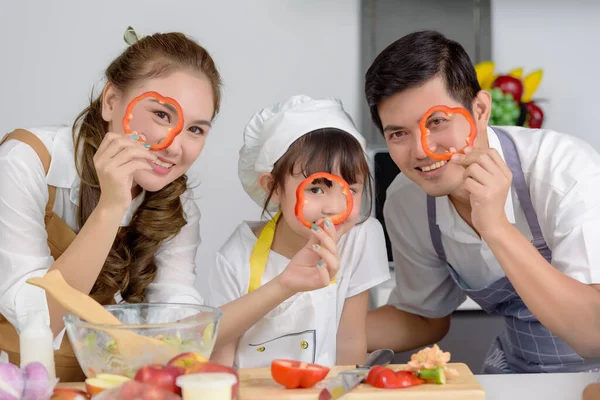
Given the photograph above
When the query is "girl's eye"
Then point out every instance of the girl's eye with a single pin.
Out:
(162, 115)
(353, 190)
(316, 190)
(196, 130)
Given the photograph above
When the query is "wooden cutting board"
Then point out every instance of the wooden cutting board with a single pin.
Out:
(257, 384)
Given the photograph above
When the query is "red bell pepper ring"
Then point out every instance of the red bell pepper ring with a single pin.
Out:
(385, 378)
(336, 219)
(171, 133)
(295, 374)
(448, 111)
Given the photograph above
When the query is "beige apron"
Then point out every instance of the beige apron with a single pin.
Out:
(60, 236)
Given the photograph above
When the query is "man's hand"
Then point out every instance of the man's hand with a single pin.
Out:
(487, 179)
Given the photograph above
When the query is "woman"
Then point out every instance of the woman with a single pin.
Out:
(116, 219)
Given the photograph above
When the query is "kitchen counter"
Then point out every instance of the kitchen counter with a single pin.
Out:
(566, 386)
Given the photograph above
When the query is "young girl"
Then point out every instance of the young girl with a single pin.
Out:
(117, 220)
(283, 145)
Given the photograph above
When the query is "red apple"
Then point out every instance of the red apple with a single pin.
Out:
(535, 115)
(510, 84)
(214, 367)
(144, 391)
(163, 376)
(68, 393)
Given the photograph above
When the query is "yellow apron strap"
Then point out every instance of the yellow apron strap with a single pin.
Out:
(260, 254)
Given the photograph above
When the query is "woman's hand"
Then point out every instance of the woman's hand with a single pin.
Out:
(117, 158)
(316, 264)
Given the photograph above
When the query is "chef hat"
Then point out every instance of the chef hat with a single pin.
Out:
(270, 132)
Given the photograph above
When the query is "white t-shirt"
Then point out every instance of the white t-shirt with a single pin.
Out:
(563, 176)
(24, 252)
(363, 265)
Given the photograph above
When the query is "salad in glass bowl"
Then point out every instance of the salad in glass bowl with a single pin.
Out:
(188, 328)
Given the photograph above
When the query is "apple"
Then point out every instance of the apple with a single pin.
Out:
(162, 376)
(69, 393)
(215, 367)
(509, 84)
(102, 382)
(143, 391)
(535, 115)
(186, 360)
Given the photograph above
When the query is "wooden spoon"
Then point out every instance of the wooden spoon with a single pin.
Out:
(129, 343)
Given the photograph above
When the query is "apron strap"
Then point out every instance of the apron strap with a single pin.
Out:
(39, 147)
(260, 253)
(434, 229)
(514, 164)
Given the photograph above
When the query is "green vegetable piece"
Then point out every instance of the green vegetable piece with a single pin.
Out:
(434, 374)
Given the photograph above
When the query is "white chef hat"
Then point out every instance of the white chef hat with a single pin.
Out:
(270, 132)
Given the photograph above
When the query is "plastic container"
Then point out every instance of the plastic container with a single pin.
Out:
(36, 343)
(206, 385)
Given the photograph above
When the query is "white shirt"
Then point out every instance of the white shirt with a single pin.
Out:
(363, 265)
(24, 252)
(563, 176)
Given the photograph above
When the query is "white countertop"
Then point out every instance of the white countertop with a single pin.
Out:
(565, 386)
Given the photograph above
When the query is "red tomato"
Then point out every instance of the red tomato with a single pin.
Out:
(385, 378)
(373, 372)
(296, 374)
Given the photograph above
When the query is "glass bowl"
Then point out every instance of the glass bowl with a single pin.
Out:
(189, 328)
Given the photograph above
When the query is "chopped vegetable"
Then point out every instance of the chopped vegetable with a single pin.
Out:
(436, 374)
(385, 378)
(296, 374)
(431, 358)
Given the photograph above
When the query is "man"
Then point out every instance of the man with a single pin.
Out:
(514, 223)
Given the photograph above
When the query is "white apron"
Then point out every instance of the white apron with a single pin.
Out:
(302, 328)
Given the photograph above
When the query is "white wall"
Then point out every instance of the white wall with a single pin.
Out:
(562, 38)
(52, 52)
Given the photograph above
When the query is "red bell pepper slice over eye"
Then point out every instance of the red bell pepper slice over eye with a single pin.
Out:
(295, 374)
(385, 378)
(448, 111)
(335, 219)
(172, 132)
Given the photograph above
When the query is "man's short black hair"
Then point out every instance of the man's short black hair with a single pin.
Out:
(414, 59)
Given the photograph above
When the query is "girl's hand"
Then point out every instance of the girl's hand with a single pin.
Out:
(117, 158)
(316, 264)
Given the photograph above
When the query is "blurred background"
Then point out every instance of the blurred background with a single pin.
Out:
(52, 54)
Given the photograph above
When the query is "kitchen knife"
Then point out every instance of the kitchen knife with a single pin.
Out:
(348, 380)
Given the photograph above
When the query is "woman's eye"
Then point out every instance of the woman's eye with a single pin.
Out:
(162, 115)
(196, 130)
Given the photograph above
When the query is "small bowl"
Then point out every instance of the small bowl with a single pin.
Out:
(96, 351)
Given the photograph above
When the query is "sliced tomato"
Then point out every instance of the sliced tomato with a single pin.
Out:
(385, 378)
(373, 372)
(295, 374)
